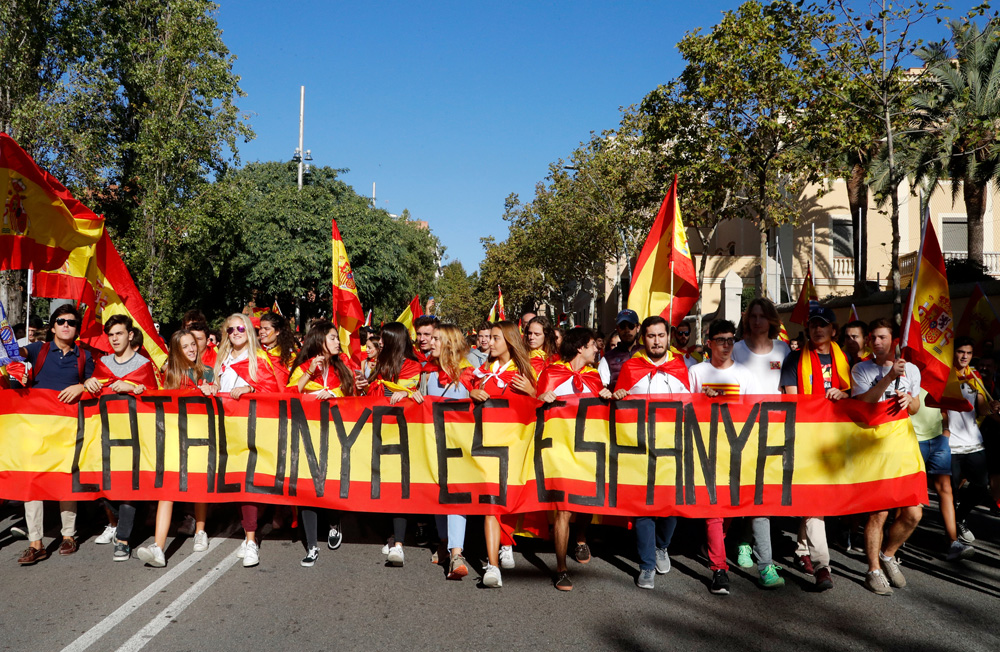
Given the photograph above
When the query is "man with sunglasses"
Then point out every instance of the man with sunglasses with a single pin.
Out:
(627, 323)
(62, 366)
(723, 376)
(682, 344)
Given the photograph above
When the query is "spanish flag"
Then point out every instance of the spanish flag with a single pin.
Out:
(801, 313)
(503, 313)
(347, 312)
(493, 313)
(409, 315)
(979, 321)
(42, 222)
(665, 282)
(929, 335)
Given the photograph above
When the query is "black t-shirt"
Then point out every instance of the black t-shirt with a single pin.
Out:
(790, 369)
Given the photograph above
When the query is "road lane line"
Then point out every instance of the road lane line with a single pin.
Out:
(174, 609)
(92, 635)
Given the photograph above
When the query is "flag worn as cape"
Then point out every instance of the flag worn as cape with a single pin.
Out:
(41, 222)
(640, 366)
(664, 281)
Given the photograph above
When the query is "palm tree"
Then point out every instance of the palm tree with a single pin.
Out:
(958, 135)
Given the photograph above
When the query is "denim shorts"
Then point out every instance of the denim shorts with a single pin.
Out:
(937, 455)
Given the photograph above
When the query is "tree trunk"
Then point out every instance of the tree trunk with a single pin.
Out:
(897, 293)
(12, 294)
(857, 199)
(975, 206)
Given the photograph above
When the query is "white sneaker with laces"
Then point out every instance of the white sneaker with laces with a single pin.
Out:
(506, 557)
(396, 556)
(187, 528)
(200, 541)
(152, 555)
(242, 552)
(491, 578)
(251, 557)
(108, 536)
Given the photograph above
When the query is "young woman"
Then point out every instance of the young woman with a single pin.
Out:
(321, 370)
(183, 370)
(243, 367)
(541, 340)
(449, 375)
(278, 340)
(396, 375)
(507, 371)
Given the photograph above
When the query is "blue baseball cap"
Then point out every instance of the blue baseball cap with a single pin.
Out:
(823, 313)
(628, 316)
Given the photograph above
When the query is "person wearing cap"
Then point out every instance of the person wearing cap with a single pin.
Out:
(627, 325)
(819, 368)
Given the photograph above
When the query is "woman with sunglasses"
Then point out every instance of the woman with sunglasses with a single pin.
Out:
(321, 370)
(183, 370)
(507, 371)
(541, 340)
(396, 375)
(243, 367)
(448, 374)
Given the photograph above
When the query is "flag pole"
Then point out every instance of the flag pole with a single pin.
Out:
(670, 307)
(27, 302)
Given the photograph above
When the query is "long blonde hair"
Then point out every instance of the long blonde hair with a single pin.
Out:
(454, 348)
(253, 345)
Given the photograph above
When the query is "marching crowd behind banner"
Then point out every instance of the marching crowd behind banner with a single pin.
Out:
(691, 456)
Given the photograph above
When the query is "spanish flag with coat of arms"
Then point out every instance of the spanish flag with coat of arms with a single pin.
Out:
(347, 312)
(664, 281)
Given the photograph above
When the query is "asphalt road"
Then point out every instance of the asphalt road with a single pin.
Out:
(351, 600)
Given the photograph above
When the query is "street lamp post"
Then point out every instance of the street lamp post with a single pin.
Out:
(302, 155)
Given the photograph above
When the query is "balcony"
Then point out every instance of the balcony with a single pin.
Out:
(843, 267)
(908, 262)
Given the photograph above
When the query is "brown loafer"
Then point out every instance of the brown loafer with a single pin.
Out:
(32, 556)
(68, 547)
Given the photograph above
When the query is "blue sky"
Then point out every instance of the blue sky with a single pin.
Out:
(449, 106)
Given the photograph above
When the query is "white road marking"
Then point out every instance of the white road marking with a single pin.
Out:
(174, 609)
(92, 635)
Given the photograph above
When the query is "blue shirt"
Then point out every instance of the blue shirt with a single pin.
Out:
(60, 370)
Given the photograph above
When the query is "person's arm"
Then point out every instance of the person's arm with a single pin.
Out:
(605, 371)
(944, 424)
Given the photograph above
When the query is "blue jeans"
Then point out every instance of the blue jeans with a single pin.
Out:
(454, 524)
(652, 533)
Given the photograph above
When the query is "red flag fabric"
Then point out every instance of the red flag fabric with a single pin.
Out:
(347, 312)
(801, 313)
(639, 366)
(587, 379)
(42, 222)
(503, 313)
(410, 314)
(665, 282)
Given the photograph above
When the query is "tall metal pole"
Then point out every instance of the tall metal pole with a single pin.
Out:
(814, 252)
(302, 119)
(27, 302)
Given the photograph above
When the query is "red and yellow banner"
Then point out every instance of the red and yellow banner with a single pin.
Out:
(698, 457)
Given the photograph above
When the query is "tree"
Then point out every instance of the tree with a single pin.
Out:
(959, 135)
(455, 297)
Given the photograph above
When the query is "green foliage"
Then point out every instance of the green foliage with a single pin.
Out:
(455, 296)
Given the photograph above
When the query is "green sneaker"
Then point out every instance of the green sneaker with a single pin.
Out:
(745, 557)
(769, 578)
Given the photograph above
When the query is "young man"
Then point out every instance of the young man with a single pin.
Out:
(481, 353)
(574, 375)
(682, 345)
(763, 354)
(886, 377)
(653, 370)
(423, 326)
(627, 324)
(720, 376)
(123, 372)
(207, 354)
(820, 368)
(62, 366)
(854, 342)
(968, 455)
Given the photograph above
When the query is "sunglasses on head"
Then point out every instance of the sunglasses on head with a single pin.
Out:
(64, 322)
(242, 329)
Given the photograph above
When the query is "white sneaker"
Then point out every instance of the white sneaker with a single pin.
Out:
(491, 578)
(395, 557)
(187, 528)
(506, 557)
(242, 552)
(108, 536)
(385, 549)
(200, 541)
(152, 555)
(251, 557)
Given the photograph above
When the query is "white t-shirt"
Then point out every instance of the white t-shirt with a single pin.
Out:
(766, 368)
(229, 379)
(732, 380)
(965, 434)
(658, 383)
(866, 374)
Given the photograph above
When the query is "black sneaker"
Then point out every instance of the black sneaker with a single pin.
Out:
(720, 583)
(563, 582)
(310, 557)
(122, 551)
(421, 534)
(582, 553)
(336, 536)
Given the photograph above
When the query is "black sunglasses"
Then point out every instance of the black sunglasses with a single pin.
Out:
(63, 322)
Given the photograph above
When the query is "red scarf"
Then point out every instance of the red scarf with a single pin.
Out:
(267, 380)
(585, 381)
(144, 375)
(639, 366)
